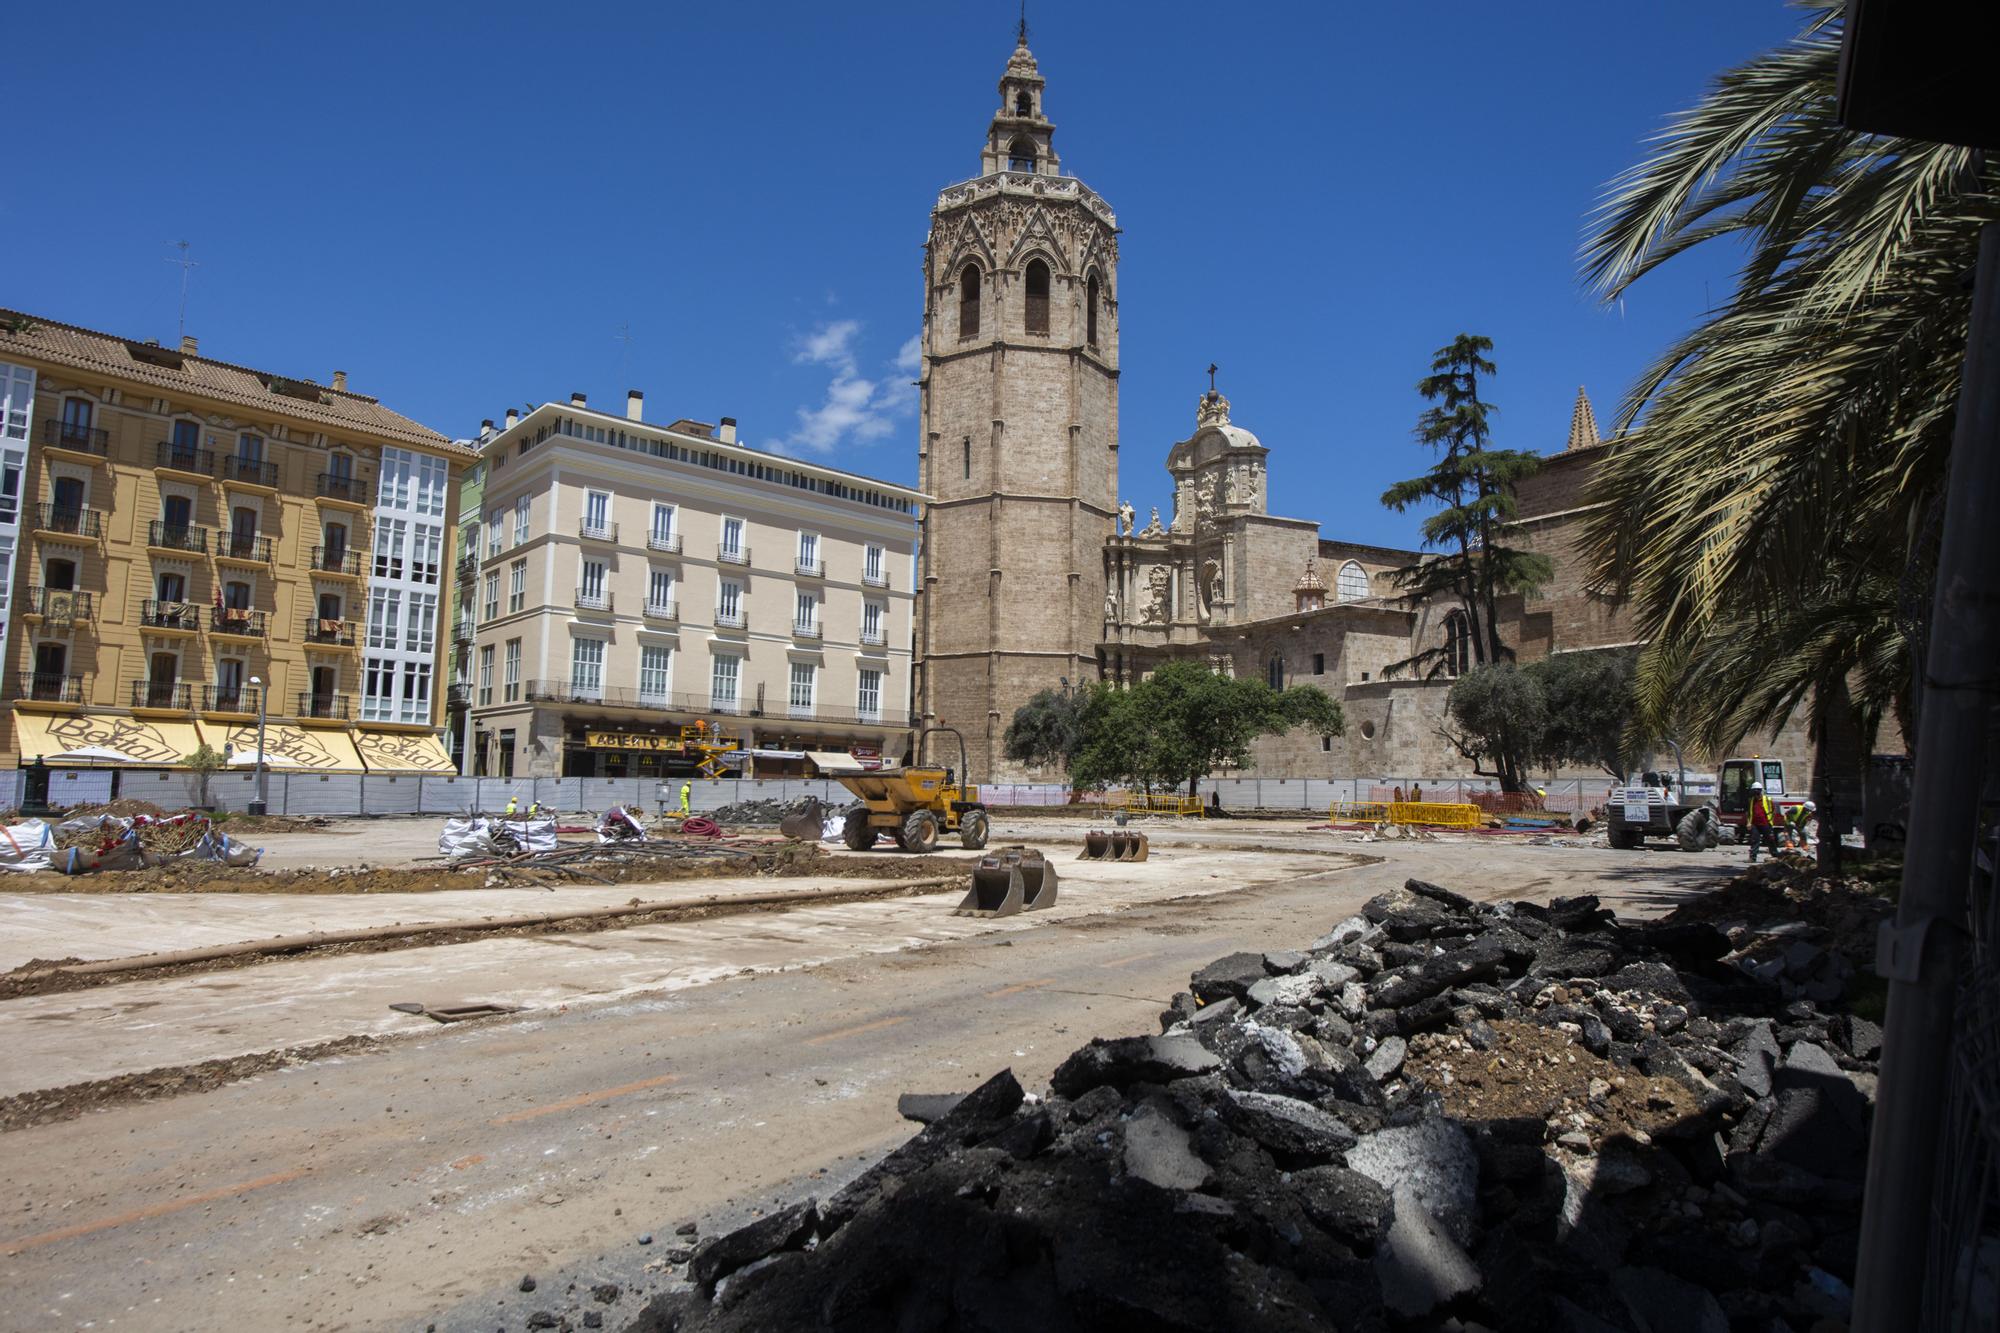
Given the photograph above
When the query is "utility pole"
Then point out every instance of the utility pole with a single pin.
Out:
(187, 265)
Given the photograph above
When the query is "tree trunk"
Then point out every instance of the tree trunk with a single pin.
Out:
(1831, 704)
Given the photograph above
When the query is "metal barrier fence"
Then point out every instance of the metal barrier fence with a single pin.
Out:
(1565, 795)
(1150, 802)
(1434, 814)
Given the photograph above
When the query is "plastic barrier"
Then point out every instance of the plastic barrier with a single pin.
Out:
(1435, 814)
(1357, 812)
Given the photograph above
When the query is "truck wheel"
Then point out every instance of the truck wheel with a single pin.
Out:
(1623, 839)
(972, 830)
(854, 831)
(1690, 830)
(920, 833)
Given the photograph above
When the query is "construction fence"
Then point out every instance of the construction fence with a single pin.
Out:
(375, 794)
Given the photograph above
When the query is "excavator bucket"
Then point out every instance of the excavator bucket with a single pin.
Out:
(806, 823)
(1015, 880)
(1129, 846)
(1096, 846)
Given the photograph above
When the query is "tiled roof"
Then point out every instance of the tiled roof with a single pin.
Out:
(1310, 580)
(107, 354)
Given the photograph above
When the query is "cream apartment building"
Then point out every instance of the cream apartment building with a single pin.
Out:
(636, 581)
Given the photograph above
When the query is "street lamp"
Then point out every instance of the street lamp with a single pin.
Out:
(260, 805)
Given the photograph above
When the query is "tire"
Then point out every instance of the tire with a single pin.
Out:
(1622, 839)
(1690, 830)
(972, 830)
(920, 833)
(854, 831)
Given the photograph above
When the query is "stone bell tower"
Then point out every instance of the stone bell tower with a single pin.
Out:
(1019, 439)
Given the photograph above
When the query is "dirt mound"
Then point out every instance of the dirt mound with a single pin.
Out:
(121, 808)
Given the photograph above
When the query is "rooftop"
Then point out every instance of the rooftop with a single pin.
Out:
(186, 372)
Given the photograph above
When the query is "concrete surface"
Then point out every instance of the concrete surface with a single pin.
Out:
(418, 1182)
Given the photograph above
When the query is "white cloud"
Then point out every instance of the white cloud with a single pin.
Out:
(857, 409)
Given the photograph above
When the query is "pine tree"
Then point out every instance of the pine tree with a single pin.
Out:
(1474, 484)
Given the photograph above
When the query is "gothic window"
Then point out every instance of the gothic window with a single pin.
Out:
(1023, 105)
(968, 302)
(1352, 584)
(1275, 672)
(1021, 155)
(1090, 311)
(1038, 296)
(1457, 643)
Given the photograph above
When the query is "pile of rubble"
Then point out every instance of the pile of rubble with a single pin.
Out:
(756, 812)
(1441, 1115)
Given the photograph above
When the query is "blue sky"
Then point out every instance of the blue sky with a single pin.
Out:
(463, 206)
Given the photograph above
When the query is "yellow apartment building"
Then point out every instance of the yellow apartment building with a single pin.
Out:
(183, 540)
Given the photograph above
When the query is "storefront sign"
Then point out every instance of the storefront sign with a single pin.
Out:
(629, 740)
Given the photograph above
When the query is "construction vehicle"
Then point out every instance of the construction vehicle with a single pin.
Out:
(915, 806)
(1658, 806)
(706, 745)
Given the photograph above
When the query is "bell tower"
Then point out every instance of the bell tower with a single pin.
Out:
(1019, 422)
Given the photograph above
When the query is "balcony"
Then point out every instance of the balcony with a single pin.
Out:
(598, 532)
(696, 704)
(874, 579)
(177, 537)
(729, 620)
(326, 707)
(468, 567)
(805, 629)
(873, 638)
(69, 438)
(667, 610)
(49, 687)
(186, 460)
(254, 473)
(243, 548)
(72, 521)
(329, 632)
(592, 601)
(239, 699)
(168, 696)
(810, 569)
(669, 542)
(58, 604)
(719, 704)
(170, 617)
(733, 555)
(339, 488)
(456, 696)
(340, 562)
(461, 630)
(238, 621)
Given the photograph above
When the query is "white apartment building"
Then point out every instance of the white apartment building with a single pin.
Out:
(635, 580)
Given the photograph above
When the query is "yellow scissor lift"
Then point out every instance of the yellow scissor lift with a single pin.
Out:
(706, 745)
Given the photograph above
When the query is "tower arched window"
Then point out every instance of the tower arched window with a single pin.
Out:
(1457, 644)
(1274, 672)
(968, 302)
(1023, 104)
(1352, 583)
(1038, 296)
(1021, 155)
(1090, 311)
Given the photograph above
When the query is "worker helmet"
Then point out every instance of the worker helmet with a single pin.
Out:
(1810, 807)
(1756, 786)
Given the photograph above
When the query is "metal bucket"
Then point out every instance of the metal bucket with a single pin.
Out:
(1096, 846)
(1016, 880)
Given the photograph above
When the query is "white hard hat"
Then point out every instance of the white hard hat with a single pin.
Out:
(1756, 786)
(1811, 806)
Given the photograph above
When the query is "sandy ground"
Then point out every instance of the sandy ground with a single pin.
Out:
(416, 1182)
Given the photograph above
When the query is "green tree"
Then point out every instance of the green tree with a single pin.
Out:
(1497, 716)
(1771, 503)
(1587, 708)
(1046, 730)
(1473, 485)
(1185, 721)
(202, 763)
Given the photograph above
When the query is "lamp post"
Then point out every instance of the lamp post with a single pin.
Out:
(259, 806)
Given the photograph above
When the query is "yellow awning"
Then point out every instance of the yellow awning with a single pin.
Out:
(287, 749)
(403, 752)
(143, 741)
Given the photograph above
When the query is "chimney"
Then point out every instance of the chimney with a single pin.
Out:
(512, 417)
(576, 399)
(340, 381)
(635, 404)
(189, 347)
(728, 432)
(486, 429)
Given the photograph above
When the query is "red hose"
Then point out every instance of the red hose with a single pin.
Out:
(698, 827)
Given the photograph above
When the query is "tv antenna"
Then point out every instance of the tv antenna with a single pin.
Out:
(188, 265)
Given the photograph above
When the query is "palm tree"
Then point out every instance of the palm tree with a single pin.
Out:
(1777, 468)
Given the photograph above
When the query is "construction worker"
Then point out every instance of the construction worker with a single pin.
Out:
(1416, 793)
(534, 809)
(1795, 823)
(513, 806)
(687, 790)
(1762, 821)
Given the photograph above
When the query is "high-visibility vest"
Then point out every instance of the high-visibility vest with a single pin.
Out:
(1762, 805)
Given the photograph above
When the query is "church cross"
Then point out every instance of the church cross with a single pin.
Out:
(1211, 377)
